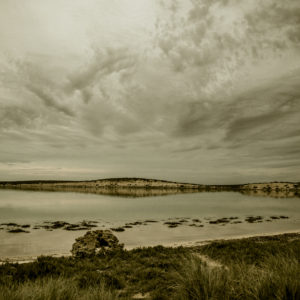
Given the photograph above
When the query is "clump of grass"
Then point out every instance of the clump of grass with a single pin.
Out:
(277, 278)
(118, 229)
(55, 289)
(281, 278)
(196, 280)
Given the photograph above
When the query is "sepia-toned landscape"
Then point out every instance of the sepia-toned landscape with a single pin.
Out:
(166, 242)
(149, 149)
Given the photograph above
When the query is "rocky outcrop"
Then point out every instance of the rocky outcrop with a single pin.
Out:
(95, 242)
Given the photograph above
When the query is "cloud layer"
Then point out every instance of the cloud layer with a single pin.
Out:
(203, 91)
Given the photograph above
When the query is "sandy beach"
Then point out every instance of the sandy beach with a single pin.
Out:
(27, 259)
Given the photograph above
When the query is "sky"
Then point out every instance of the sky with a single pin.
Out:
(204, 91)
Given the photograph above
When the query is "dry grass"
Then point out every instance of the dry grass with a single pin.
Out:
(248, 269)
(55, 289)
(277, 278)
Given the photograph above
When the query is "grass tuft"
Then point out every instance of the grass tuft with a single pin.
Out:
(278, 277)
(55, 289)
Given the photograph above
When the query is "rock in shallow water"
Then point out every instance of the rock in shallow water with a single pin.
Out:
(95, 242)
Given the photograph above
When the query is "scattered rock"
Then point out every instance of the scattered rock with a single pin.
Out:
(196, 220)
(75, 227)
(183, 221)
(17, 230)
(53, 225)
(10, 224)
(118, 229)
(135, 223)
(47, 227)
(172, 224)
(25, 226)
(58, 224)
(95, 242)
(89, 224)
(220, 221)
(84, 225)
(252, 219)
(236, 222)
(14, 227)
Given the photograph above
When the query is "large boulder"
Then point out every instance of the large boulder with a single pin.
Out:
(95, 242)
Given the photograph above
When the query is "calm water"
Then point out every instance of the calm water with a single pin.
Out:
(34, 207)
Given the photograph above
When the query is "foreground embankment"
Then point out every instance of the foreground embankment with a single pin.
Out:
(252, 268)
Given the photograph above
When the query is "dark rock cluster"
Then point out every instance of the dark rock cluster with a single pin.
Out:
(84, 225)
(14, 227)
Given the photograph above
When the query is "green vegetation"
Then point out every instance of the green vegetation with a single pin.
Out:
(254, 268)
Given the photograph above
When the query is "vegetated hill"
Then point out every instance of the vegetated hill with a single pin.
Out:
(121, 179)
(131, 183)
(102, 183)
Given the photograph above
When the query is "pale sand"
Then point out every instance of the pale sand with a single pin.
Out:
(27, 259)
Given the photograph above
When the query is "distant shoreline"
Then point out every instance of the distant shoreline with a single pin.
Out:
(142, 183)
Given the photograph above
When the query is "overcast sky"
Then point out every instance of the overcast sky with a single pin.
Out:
(201, 91)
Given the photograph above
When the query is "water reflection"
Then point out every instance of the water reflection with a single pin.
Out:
(151, 192)
(272, 193)
(121, 192)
